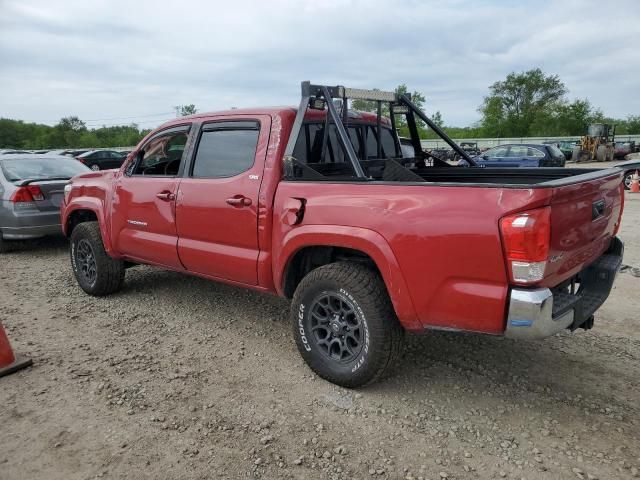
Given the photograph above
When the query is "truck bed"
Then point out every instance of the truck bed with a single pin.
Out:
(392, 170)
(516, 177)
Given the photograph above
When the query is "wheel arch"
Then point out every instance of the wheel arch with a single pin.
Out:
(88, 211)
(309, 247)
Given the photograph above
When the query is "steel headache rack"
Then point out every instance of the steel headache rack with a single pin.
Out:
(332, 98)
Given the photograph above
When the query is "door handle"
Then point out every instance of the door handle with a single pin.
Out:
(167, 196)
(239, 201)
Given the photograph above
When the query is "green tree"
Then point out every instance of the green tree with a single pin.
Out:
(187, 110)
(633, 125)
(513, 104)
(437, 119)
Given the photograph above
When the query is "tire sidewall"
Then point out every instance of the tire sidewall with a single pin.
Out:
(343, 372)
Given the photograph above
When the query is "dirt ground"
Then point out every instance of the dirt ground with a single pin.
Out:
(179, 378)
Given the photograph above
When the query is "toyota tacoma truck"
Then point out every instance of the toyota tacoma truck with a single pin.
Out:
(317, 204)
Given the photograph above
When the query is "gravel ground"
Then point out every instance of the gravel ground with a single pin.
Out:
(179, 378)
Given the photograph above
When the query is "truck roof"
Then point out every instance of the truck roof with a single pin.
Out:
(358, 115)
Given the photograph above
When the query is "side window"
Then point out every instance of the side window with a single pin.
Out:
(516, 151)
(226, 150)
(162, 155)
(497, 152)
(534, 152)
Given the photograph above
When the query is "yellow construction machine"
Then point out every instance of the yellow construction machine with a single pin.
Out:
(597, 145)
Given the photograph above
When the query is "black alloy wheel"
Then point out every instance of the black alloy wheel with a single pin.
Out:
(86, 262)
(336, 327)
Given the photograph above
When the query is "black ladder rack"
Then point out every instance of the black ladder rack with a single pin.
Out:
(320, 97)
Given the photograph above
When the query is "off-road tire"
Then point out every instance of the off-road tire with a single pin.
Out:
(601, 153)
(382, 334)
(109, 272)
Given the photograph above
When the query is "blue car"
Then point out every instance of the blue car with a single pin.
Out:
(521, 155)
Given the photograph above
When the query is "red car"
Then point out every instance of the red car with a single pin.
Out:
(318, 205)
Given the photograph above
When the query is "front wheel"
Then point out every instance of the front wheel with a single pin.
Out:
(344, 324)
(96, 272)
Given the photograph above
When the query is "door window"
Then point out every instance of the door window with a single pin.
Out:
(497, 152)
(226, 149)
(518, 151)
(162, 155)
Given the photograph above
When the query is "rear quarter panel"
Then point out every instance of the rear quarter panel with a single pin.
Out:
(445, 241)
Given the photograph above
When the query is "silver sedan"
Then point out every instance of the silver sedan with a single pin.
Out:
(31, 190)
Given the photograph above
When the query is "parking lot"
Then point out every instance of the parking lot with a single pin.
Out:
(177, 377)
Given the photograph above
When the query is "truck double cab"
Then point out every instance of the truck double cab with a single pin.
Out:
(317, 204)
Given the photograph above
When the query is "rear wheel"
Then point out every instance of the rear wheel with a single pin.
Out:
(96, 272)
(628, 177)
(95, 167)
(601, 153)
(344, 324)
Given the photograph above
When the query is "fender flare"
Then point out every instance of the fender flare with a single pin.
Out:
(94, 205)
(367, 241)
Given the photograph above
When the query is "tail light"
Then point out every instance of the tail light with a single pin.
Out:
(526, 237)
(27, 194)
(80, 159)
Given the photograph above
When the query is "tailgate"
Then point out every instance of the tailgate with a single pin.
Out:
(583, 221)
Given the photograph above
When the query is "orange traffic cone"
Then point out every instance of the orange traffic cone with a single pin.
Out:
(9, 363)
(635, 183)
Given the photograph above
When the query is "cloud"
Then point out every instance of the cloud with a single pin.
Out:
(106, 59)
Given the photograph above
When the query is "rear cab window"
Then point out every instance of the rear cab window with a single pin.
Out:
(335, 162)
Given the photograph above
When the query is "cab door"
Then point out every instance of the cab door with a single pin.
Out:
(217, 203)
(143, 207)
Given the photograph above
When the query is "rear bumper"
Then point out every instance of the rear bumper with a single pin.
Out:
(542, 312)
(27, 233)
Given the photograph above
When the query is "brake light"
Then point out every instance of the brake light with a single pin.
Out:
(526, 237)
(80, 159)
(27, 194)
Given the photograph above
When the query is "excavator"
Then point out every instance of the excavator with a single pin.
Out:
(597, 145)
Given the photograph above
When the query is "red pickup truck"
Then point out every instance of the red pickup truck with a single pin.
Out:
(317, 204)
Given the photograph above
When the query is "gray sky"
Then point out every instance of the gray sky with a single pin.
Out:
(113, 62)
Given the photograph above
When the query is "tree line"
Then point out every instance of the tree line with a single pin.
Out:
(524, 104)
(71, 132)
